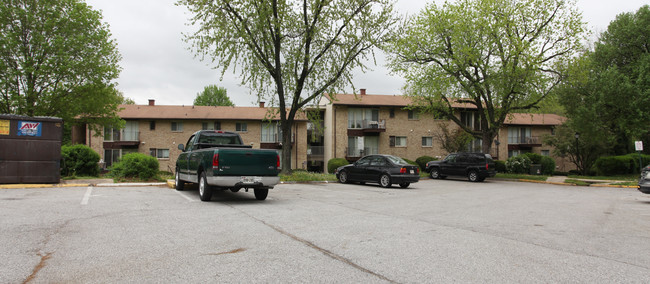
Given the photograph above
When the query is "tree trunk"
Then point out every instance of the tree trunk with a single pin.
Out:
(285, 157)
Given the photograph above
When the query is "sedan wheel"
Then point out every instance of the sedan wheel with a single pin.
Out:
(384, 180)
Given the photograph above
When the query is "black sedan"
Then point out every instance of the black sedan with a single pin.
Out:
(383, 169)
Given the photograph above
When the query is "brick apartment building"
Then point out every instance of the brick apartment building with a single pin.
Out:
(352, 126)
(358, 125)
(158, 129)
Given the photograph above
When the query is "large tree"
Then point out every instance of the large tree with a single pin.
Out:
(494, 56)
(57, 59)
(606, 93)
(290, 52)
(213, 95)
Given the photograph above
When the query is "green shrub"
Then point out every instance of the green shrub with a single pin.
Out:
(534, 158)
(333, 164)
(135, 165)
(548, 165)
(411, 162)
(422, 161)
(79, 160)
(518, 165)
(500, 166)
(614, 165)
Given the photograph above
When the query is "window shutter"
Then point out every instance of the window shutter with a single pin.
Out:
(392, 141)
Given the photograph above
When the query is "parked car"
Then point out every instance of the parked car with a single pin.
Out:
(219, 160)
(644, 181)
(475, 166)
(383, 169)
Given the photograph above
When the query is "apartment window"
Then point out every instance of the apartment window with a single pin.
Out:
(427, 141)
(241, 127)
(177, 126)
(414, 115)
(397, 141)
(546, 153)
(519, 135)
(152, 125)
(111, 134)
(271, 133)
(392, 113)
(111, 156)
(361, 117)
(470, 119)
(159, 153)
(553, 131)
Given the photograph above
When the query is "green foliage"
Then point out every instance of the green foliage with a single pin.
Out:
(79, 160)
(411, 162)
(213, 95)
(534, 158)
(135, 165)
(290, 53)
(333, 164)
(302, 176)
(453, 141)
(614, 78)
(518, 165)
(620, 165)
(499, 56)
(500, 166)
(57, 59)
(548, 165)
(422, 161)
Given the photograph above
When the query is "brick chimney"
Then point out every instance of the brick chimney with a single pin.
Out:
(363, 91)
(261, 104)
(152, 102)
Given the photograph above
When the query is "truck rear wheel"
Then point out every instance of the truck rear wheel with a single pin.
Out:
(205, 190)
(261, 193)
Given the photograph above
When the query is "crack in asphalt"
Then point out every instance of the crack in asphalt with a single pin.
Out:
(320, 249)
(487, 232)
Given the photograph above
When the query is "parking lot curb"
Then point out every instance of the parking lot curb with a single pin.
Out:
(16, 186)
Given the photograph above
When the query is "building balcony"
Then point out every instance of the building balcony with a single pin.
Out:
(122, 139)
(353, 154)
(525, 141)
(315, 153)
(367, 127)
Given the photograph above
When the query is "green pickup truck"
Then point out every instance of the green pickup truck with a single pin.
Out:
(220, 160)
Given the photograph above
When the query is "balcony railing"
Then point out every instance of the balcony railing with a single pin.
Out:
(315, 150)
(356, 153)
(530, 140)
(123, 136)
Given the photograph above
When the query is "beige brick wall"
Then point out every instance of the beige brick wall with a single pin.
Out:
(163, 138)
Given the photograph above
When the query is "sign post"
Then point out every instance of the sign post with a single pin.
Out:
(638, 145)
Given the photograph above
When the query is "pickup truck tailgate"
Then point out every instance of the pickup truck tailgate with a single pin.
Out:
(248, 162)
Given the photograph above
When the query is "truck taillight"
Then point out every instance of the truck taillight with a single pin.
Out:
(215, 161)
(487, 166)
(277, 162)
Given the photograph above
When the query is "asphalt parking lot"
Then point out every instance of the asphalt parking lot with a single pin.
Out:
(434, 231)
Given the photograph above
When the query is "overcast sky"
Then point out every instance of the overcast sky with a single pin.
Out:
(158, 65)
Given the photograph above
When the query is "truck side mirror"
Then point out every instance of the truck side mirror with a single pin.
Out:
(181, 147)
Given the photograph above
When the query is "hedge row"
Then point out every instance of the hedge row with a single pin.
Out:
(620, 165)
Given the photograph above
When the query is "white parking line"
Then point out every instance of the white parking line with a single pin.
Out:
(183, 195)
(89, 191)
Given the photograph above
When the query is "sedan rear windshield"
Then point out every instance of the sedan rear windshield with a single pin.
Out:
(396, 160)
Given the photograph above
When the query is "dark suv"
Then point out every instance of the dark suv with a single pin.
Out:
(475, 166)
